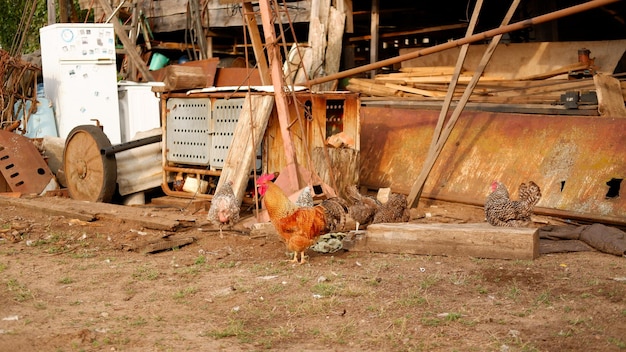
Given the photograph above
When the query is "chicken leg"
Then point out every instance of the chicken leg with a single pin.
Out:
(295, 258)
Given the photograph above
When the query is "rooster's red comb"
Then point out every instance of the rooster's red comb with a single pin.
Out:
(264, 178)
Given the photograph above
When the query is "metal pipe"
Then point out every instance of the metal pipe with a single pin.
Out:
(459, 42)
(130, 145)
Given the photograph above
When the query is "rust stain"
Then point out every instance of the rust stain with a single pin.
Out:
(570, 157)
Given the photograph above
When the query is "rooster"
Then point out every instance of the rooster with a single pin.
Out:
(362, 207)
(225, 207)
(300, 228)
(500, 210)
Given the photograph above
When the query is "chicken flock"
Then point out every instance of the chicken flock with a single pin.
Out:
(300, 224)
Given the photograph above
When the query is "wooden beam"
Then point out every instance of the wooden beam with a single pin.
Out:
(257, 43)
(433, 153)
(458, 69)
(247, 138)
(407, 33)
(130, 48)
(194, 8)
(479, 240)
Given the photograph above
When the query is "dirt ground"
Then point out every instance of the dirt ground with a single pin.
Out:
(69, 285)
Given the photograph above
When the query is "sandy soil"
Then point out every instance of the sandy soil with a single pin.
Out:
(68, 285)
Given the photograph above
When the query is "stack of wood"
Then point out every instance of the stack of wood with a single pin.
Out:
(431, 83)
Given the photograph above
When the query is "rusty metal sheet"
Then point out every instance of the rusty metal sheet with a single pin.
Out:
(574, 159)
(21, 164)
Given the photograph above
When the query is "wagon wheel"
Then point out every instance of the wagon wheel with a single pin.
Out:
(91, 175)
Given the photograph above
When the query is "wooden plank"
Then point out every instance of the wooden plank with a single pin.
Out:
(369, 87)
(556, 72)
(517, 60)
(247, 137)
(317, 39)
(610, 98)
(443, 79)
(428, 70)
(545, 87)
(257, 43)
(88, 211)
(427, 93)
(458, 69)
(479, 240)
(335, 29)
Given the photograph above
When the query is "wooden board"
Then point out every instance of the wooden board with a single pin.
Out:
(246, 140)
(610, 98)
(89, 211)
(516, 60)
(479, 240)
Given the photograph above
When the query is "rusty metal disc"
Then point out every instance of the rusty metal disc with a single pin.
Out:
(91, 175)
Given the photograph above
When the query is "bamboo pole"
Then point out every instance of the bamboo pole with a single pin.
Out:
(471, 39)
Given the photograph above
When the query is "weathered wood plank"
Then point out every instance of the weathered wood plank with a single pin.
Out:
(247, 137)
(479, 240)
(335, 30)
(610, 99)
(88, 211)
(341, 170)
(427, 93)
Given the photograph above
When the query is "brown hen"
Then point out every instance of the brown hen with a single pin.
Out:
(362, 208)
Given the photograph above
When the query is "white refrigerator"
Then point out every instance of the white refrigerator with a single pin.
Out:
(80, 76)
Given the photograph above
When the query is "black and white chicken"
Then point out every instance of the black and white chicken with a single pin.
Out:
(500, 210)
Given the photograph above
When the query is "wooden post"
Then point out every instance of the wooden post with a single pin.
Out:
(52, 17)
(282, 107)
(418, 186)
(374, 33)
(194, 8)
